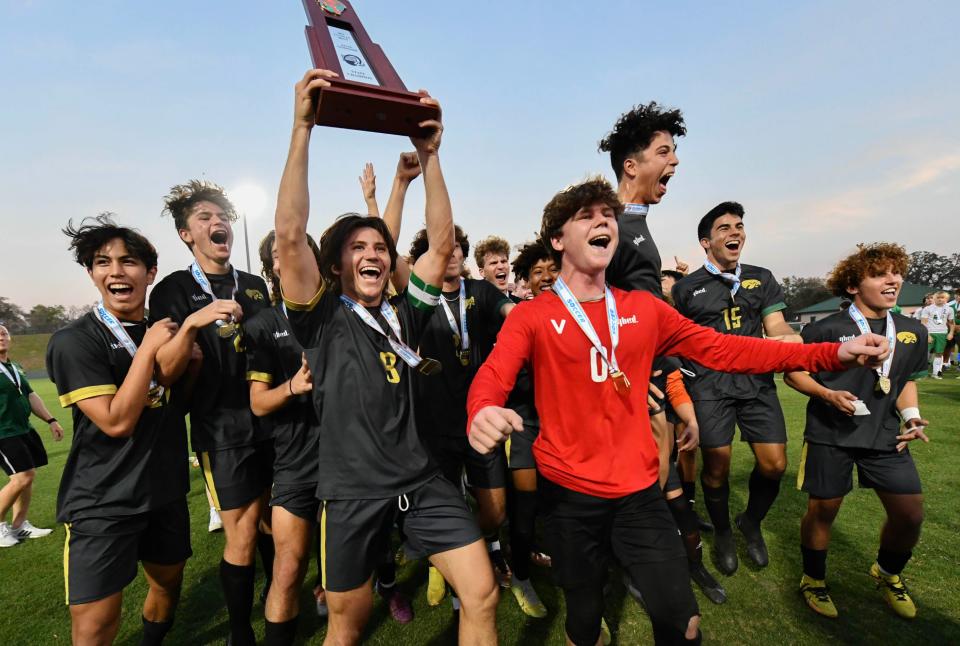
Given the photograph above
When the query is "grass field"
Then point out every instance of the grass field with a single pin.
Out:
(764, 606)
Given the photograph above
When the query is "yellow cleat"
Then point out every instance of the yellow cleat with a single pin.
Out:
(817, 595)
(605, 636)
(528, 599)
(436, 587)
(894, 592)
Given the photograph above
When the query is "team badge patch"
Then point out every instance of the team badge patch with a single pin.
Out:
(255, 294)
(471, 302)
(751, 283)
(906, 337)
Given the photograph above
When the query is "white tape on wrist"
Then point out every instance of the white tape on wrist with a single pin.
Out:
(908, 414)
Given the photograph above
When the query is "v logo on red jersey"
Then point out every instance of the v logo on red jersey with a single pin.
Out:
(559, 326)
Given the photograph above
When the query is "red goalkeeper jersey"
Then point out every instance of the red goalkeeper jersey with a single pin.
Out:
(593, 439)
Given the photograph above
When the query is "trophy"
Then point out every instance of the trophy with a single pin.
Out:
(369, 94)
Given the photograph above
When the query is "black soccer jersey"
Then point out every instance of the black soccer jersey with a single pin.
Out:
(442, 399)
(636, 263)
(705, 299)
(107, 476)
(220, 416)
(363, 395)
(273, 357)
(879, 429)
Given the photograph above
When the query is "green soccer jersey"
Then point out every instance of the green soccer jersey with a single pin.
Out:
(14, 403)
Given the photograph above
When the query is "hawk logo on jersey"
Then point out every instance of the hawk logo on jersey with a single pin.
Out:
(751, 283)
(254, 294)
(471, 302)
(906, 337)
(559, 326)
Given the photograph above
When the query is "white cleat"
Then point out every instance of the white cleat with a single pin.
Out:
(27, 530)
(7, 539)
(215, 524)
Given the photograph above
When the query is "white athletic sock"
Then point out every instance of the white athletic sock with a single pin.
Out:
(493, 546)
(937, 365)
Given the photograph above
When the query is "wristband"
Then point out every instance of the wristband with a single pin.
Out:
(908, 414)
(51, 420)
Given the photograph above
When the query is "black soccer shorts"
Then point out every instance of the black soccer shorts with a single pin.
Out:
(827, 471)
(454, 455)
(355, 534)
(22, 452)
(100, 555)
(237, 476)
(299, 500)
(760, 420)
(519, 447)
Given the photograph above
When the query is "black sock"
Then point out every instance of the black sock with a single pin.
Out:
(319, 546)
(522, 518)
(237, 582)
(281, 633)
(892, 562)
(690, 491)
(717, 502)
(686, 520)
(814, 562)
(266, 550)
(155, 631)
(386, 576)
(763, 491)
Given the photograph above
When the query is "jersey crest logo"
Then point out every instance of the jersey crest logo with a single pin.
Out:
(254, 294)
(906, 337)
(559, 326)
(638, 240)
(751, 283)
(471, 302)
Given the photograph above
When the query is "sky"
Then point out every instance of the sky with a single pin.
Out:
(833, 123)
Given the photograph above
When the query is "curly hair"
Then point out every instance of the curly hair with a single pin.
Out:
(182, 198)
(493, 245)
(265, 252)
(335, 237)
(529, 255)
(634, 131)
(565, 204)
(869, 260)
(93, 233)
(421, 243)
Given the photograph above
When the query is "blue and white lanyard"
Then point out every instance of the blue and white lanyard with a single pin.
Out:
(733, 279)
(120, 334)
(636, 209)
(15, 377)
(404, 351)
(891, 333)
(462, 334)
(201, 279)
(613, 321)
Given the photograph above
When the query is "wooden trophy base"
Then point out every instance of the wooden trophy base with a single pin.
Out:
(358, 106)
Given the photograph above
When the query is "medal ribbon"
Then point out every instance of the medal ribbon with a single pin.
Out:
(462, 333)
(15, 377)
(201, 279)
(891, 333)
(636, 209)
(404, 351)
(120, 334)
(733, 279)
(613, 321)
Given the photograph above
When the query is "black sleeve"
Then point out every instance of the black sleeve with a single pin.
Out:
(167, 300)
(307, 319)
(813, 333)
(262, 353)
(919, 367)
(677, 294)
(773, 297)
(491, 300)
(77, 364)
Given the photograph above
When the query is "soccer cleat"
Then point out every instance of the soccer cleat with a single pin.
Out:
(708, 585)
(528, 599)
(27, 530)
(605, 636)
(756, 547)
(894, 592)
(7, 539)
(215, 524)
(725, 553)
(436, 587)
(400, 609)
(817, 595)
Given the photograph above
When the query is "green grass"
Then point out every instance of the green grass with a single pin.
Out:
(764, 606)
(30, 351)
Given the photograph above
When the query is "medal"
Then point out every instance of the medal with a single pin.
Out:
(464, 356)
(461, 336)
(426, 366)
(225, 329)
(155, 394)
(429, 367)
(620, 382)
(884, 384)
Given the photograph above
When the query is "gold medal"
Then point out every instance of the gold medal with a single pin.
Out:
(227, 330)
(884, 384)
(620, 382)
(464, 357)
(155, 394)
(429, 367)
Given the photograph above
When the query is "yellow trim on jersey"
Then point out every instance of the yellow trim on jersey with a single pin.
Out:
(208, 477)
(87, 392)
(305, 307)
(801, 472)
(66, 566)
(264, 377)
(323, 546)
